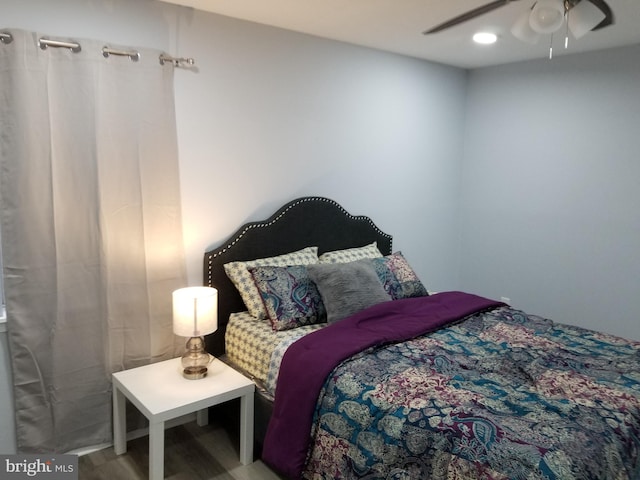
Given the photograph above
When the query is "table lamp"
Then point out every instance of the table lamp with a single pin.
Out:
(195, 314)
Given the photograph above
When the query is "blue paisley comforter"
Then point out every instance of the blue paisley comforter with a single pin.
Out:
(499, 395)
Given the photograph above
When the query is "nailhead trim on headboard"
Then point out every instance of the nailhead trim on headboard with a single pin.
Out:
(304, 222)
(279, 216)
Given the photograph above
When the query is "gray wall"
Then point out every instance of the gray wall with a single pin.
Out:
(550, 198)
(272, 115)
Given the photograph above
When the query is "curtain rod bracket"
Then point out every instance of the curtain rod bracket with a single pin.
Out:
(177, 62)
(43, 43)
(133, 56)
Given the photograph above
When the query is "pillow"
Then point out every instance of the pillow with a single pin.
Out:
(351, 254)
(290, 298)
(238, 273)
(347, 288)
(397, 277)
(387, 278)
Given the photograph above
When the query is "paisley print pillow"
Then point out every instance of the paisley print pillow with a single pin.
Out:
(290, 298)
(397, 277)
(238, 273)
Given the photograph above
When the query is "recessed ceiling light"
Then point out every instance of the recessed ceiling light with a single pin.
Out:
(485, 38)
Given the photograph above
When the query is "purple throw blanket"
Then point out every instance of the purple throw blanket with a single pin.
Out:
(307, 363)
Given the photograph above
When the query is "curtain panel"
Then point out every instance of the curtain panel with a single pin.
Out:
(90, 221)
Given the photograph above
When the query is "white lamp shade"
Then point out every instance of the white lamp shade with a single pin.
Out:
(584, 17)
(547, 16)
(195, 311)
(523, 31)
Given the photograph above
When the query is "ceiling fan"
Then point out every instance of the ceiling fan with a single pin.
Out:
(544, 16)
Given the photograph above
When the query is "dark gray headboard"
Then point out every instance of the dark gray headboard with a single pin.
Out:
(305, 222)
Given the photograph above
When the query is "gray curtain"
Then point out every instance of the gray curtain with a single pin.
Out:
(91, 230)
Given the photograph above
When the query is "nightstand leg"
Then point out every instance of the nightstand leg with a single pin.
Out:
(156, 451)
(202, 417)
(246, 429)
(119, 422)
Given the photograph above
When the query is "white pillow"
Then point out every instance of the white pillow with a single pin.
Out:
(238, 273)
(351, 254)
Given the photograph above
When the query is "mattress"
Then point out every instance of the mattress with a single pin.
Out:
(255, 348)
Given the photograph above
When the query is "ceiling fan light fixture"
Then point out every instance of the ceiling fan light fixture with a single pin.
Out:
(523, 31)
(547, 16)
(583, 17)
(485, 38)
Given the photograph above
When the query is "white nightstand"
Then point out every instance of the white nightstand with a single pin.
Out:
(161, 393)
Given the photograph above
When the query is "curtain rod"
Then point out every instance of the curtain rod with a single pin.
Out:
(75, 47)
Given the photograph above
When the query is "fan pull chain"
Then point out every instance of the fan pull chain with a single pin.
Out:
(551, 47)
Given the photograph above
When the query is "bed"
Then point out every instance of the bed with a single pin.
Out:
(363, 374)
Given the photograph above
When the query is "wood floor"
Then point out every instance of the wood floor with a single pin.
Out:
(191, 453)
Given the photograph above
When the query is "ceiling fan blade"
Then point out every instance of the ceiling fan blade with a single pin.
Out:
(608, 14)
(476, 12)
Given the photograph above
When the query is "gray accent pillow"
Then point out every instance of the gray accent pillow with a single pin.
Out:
(347, 288)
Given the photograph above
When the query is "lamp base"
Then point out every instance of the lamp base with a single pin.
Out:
(195, 359)
(194, 373)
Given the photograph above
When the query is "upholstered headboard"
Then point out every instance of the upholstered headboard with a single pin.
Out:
(305, 222)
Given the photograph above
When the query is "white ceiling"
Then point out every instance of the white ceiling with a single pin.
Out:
(397, 26)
